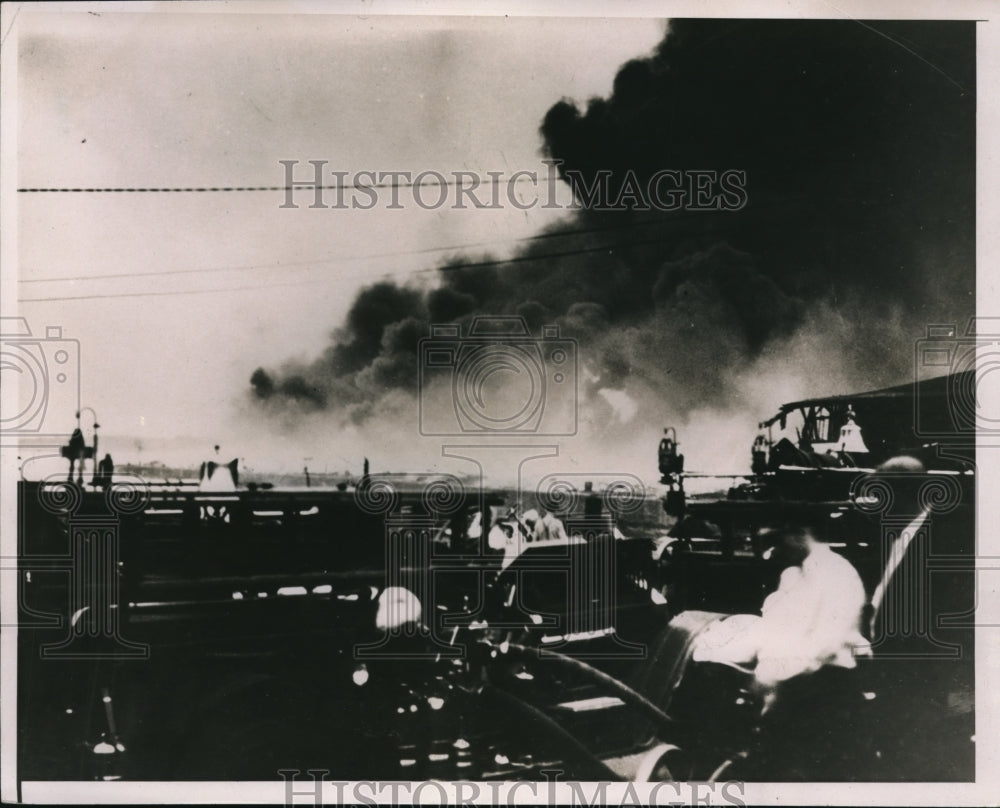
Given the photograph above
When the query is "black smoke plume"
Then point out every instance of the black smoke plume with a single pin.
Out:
(858, 143)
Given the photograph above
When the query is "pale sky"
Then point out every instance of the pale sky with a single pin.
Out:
(204, 100)
(176, 298)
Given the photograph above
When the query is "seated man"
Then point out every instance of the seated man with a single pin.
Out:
(801, 648)
(812, 620)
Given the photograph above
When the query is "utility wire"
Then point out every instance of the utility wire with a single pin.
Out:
(610, 248)
(331, 257)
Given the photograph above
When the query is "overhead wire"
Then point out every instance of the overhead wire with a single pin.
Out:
(446, 268)
(330, 257)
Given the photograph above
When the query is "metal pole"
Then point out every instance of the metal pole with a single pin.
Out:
(93, 477)
(79, 471)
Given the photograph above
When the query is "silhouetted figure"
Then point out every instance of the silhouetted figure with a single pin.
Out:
(758, 455)
(597, 523)
(105, 471)
(305, 470)
(77, 451)
(592, 503)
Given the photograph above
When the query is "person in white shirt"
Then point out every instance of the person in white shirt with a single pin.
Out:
(813, 619)
(801, 647)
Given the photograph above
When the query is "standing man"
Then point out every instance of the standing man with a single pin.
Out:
(105, 471)
(77, 451)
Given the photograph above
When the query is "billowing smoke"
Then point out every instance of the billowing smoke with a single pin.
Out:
(857, 141)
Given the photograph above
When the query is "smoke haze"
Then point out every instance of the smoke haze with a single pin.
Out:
(858, 143)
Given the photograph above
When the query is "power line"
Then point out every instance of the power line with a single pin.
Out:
(249, 267)
(255, 287)
(333, 257)
(449, 268)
